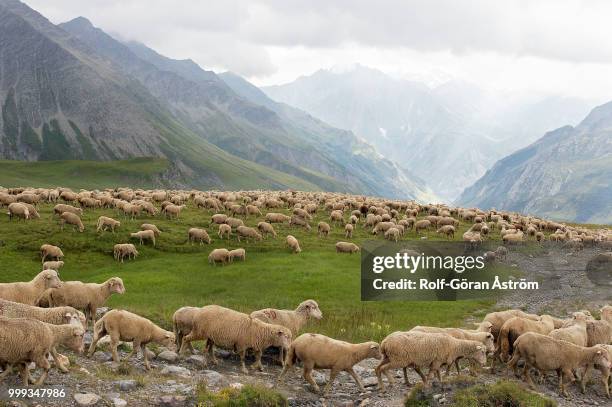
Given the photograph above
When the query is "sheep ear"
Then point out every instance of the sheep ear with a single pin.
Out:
(373, 346)
(168, 335)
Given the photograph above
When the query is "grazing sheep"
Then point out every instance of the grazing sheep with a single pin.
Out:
(293, 243)
(219, 256)
(347, 247)
(144, 235)
(29, 292)
(105, 222)
(336, 216)
(273, 217)
(25, 340)
(53, 265)
(299, 221)
(50, 251)
(323, 229)
(224, 230)
(182, 323)
(230, 329)
(247, 233)
(447, 230)
(87, 297)
(122, 325)
(349, 231)
(418, 349)
(149, 226)
(18, 210)
(198, 235)
(234, 223)
(218, 218)
(382, 227)
(545, 353)
(237, 254)
(422, 224)
(392, 233)
(266, 229)
(322, 352)
(121, 250)
(605, 372)
(71, 219)
(515, 327)
(173, 210)
(61, 208)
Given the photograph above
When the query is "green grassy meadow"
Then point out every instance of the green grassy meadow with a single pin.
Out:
(175, 273)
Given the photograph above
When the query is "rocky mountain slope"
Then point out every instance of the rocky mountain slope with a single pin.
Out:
(455, 128)
(567, 174)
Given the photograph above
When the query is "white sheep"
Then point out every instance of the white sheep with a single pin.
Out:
(198, 235)
(29, 292)
(53, 265)
(347, 247)
(71, 219)
(266, 229)
(239, 253)
(104, 223)
(219, 256)
(50, 251)
(293, 244)
(143, 235)
(123, 250)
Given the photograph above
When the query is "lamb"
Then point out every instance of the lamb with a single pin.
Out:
(417, 349)
(422, 224)
(515, 327)
(293, 243)
(247, 233)
(237, 254)
(173, 210)
(143, 235)
(319, 351)
(198, 235)
(28, 293)
(392, 234)
(224, 230)
(122, 325)
(25, 340)
(347, 247)
(299, 221)
(104, 223)
(447, 230)
(219, 255)
(53, 265)
(294, 320)
(323, 229)
(121, 250)
(149, 226)
(349, 231)
(18, 210)
(71, 219)
(87, 297)
(575, 333)
(218, 218)
(230, 329)
(252, 210)
(61, 208)
(266, 229)
(545, 353)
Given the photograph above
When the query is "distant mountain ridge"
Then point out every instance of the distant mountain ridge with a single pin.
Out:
(565, 175)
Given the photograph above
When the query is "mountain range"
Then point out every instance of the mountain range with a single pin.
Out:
(455, 128)
(71, 91)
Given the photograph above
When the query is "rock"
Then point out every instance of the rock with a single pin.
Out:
(370, 381)
(118, 402)
(168, 356)
(87, 372)
(236, 386)
(364, 402)
(172, 401)
(101, 356)
(222, 353)
(214, 379)
(176, 370)
(347, 403)
(566, 287)
(442, 400)
(126, 385)
(319, 378)
(197, 360)
(100, 312)
(86, 399)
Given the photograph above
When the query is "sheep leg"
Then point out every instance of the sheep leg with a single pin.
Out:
(143, 348)
(585, 378)
(356, 377)
(44, 363)
(59, 364)
(242, 354)
(25, 374)
(257, 364)
(114, 343)
(97, 335)
(332, 377)
(211, 354)
(309, 378)
(606, 379)
(405, 371)
(134, 351)
(529, 379)
(420, 373)
(6, 370)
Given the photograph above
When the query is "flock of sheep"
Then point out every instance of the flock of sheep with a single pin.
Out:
(38, 316)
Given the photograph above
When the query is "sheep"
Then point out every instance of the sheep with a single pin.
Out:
(87, 297)
(247, 232)
(323, 229)
(149, 226)
(234, 223)
(515, 327)
(447, 230)
(545, 353)
(199, 235)
(29, 292)
(348, 231)
(392, 233)
(605, 372)
(143, 235)
(121, 250)
(266, 229)
(422, 224)
(347, 247)
(26, 340)
(600, 331)
(173, 210)
(320, 351)
(219, 255)
(18, 210)
(61, 208)
(50, 251)
(122, 325)
(302, 213)
(182, 323)
(230, 329)
(486, 338)
(382, 227)
(105, 222)
(575, 333)
(32, 210)
(418, 349)
(224, 230)
(299, 221)
(293, 244)
(237, 254)
(71, 219)
(513, 237)
(218, 218)
(53, 265)
(336, 216)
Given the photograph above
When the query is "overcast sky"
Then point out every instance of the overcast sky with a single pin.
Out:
(543, 46)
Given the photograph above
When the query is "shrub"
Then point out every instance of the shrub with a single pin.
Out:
(248, 395)
(503, 393)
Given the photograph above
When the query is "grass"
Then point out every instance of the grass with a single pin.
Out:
(503, 393)
(246, 396)
(175, 273)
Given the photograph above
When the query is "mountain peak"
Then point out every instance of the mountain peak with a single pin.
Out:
(80, 21)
